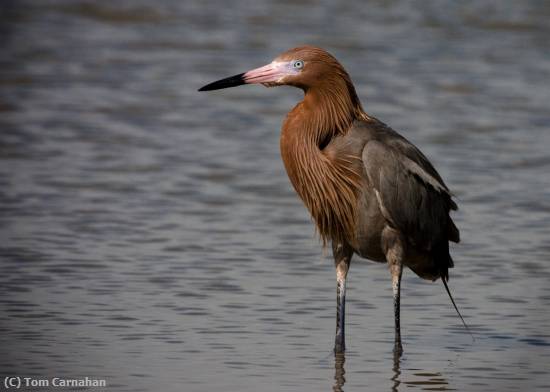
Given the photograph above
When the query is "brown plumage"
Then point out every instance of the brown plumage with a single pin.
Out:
(328, 185)
(368, 189)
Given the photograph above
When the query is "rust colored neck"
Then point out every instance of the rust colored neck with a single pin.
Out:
(327, 183)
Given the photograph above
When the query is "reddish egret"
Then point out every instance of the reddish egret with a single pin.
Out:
(369, 190)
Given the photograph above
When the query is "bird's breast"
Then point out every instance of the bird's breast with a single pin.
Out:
(326, 180)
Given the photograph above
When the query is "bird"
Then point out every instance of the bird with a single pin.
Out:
(370, 191)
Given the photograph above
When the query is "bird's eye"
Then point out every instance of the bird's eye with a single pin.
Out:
(298, 64)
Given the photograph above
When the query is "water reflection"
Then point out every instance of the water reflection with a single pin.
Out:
(339, 371)
(425, 380)
(397, 352)
(430, 382)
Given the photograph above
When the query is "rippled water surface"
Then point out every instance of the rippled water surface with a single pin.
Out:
(149, 234)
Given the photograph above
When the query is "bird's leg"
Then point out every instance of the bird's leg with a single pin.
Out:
(393, 245)
(342, 257)
(340, 339)
(396, 271)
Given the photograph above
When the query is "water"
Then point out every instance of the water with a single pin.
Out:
(150, 237)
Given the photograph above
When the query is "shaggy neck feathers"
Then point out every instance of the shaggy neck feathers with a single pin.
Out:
(326, 183)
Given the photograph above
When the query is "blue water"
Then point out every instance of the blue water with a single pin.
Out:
(149, 235)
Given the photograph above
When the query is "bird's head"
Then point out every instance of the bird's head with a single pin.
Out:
(303, 67)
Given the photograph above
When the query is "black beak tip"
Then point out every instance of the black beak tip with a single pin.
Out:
(231, 81)
(207, 87)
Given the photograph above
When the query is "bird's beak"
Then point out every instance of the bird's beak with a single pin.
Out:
(270, 73)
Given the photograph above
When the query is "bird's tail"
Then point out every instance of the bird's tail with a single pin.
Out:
(454, 304)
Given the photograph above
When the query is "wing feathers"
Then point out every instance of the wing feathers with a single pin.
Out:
(412, 200)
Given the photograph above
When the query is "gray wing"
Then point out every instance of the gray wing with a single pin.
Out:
(420, 164)
(410, 193)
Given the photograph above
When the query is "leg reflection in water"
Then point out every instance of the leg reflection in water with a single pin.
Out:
(397, 352)
(424, 380)
(339, 372)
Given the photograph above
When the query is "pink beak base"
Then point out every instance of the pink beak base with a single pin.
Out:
(269, 73)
